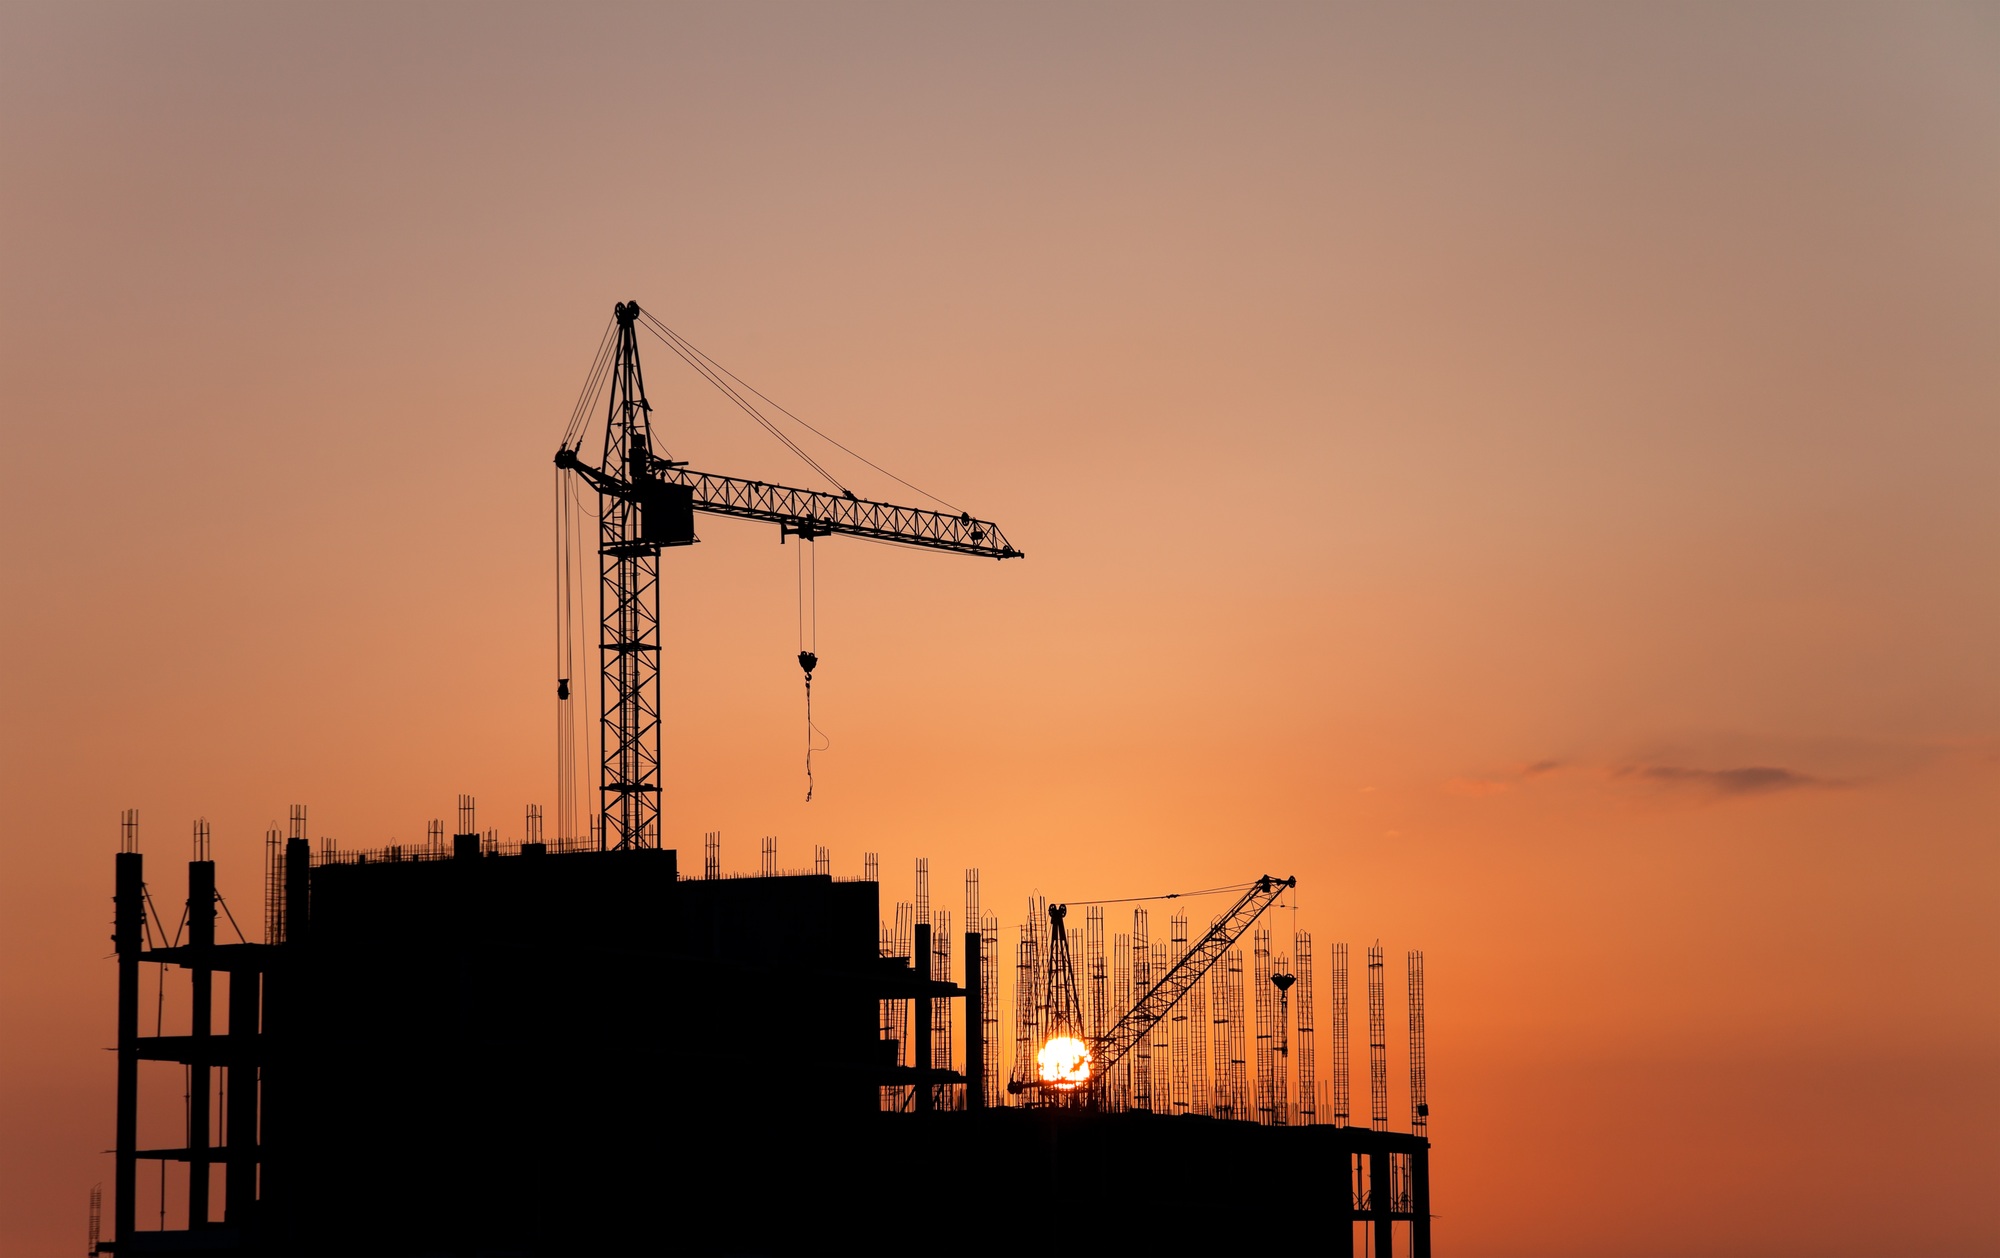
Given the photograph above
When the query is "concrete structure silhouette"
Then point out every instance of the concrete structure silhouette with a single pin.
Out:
(539, 1051)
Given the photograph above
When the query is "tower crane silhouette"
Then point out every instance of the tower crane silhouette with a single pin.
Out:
(646, 504)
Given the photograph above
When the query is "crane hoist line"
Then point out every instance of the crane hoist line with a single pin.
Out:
(646, 503)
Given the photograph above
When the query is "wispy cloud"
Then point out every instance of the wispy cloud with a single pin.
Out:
(1756, 779)
(1501, 783)
(1737, 783)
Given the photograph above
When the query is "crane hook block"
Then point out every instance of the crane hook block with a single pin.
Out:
(808, 661)
(562, 687)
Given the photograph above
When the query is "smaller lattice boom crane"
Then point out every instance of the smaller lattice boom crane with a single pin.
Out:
(1180, 978)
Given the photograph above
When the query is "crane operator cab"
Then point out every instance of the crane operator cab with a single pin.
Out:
(666, 512)
(666, 508)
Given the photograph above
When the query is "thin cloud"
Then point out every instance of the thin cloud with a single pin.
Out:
(1500, 784)
(1756, 779)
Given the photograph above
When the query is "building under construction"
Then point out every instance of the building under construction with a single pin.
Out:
(482, 1048)
(576, 1045)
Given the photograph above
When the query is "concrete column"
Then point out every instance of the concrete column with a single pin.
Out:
(975, 1029)
(201, 941)
(1343, 1210)
(1380, 1199)
(298, 890)
(920, 1013)
(240, 1179)
(128, 935)
(1420, 1203)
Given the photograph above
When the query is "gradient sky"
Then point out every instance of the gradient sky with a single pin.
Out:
(1527, 470)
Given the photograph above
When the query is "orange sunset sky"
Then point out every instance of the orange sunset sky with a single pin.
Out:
(1527, 470)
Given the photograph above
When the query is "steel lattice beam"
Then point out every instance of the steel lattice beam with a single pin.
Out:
(810, 513)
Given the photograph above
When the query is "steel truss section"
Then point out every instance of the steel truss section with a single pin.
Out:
(809, 513)
(629, 615)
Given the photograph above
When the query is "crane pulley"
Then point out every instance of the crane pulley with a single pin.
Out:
(647, 503)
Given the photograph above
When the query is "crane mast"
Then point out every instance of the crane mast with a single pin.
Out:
(628, 612)
(647, 503)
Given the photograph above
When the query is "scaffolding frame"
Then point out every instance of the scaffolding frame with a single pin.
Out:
(1097, 980)
(1378, 1046)
(944, 1095)
(274, 885)
(1264, 1006)
(1239, 1081)
(1342, 1069)
(1420, 1099)
(1282, 979)
(1119, 1089)
(1142, 982)
(1307, 1040)
(1201, 1099)
(1177, 1021)
(989, 1003)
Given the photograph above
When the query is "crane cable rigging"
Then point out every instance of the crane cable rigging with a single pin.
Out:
(1169, 895)
(565, 659)
(809, 648)
(569, 567)
(710, 370)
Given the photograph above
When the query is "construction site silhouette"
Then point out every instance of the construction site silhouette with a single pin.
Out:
(570, 1046)
(550, 1052)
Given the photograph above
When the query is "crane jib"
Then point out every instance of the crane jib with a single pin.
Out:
(669, 494)
(809, 513)
(1146, 1012)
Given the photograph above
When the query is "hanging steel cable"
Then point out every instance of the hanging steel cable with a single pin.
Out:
(679, 342)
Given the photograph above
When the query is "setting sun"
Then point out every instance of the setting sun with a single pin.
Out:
(1065, 1062)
